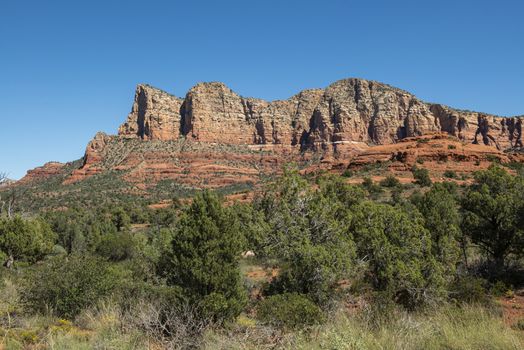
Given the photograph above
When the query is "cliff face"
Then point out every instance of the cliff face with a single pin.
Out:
(332, 119)
(155, 115)
(214, 137)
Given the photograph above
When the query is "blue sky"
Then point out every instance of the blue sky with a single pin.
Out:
(69, 68)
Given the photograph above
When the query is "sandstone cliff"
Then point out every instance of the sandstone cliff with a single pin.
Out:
(214, 137)
(332, 119)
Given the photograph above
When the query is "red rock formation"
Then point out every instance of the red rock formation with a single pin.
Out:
(155, 115)
(347, 111)
(43, 172)
(214, 137)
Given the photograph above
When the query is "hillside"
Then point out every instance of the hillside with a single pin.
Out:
(215, 138)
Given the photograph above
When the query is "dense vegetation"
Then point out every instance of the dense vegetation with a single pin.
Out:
(311, 262)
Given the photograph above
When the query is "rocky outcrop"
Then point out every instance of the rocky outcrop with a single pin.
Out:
(214, 137)
(155, 115)
(94, 157)
(43, 172)
(333, 119)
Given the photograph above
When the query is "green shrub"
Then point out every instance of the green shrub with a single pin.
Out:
(519, 325)
(28, 240)
(450, 174)
(500, 289)
(66, 286)
(452, 147)
(421, 176)
(440, 212)
(492, 158)
(370, 186)
(390, 181)
(308, 234)
(347, 173)
(290, 311)
(116, 246)
(469, 289)
(398, 249)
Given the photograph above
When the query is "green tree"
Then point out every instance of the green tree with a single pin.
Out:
(28, 240)
(494, 214)
(121, 219)
(203, 260)
(117, 246)
(67, 285)
(80, 230)
(309, 234)
(398, 249)
(421, 176)
(440, 211)
(253, 226)
(390, 181)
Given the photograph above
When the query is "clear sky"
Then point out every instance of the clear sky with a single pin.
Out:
(69, 68)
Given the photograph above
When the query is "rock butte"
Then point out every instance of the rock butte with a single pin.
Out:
(215, 137)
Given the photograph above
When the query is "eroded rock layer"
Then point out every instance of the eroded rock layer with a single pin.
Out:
(214, 137)
(348, 111)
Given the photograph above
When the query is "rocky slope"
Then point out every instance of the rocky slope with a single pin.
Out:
(215, 137)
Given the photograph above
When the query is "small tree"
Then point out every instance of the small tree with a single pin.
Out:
(439, 209)
(421, 176)
(28, 240)
(308, 232)
(390, 181)
(494, 214)
(203, 260)
(68, 285)
(398, 250)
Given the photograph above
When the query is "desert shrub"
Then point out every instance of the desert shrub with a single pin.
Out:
(492, 158)
(80, 230)
(347, 173)
(519, 325)
(203, 259)
(309, 235)
(175, 326)
(289, 310)
(450, 174)
(396, 194)
(314, 270)
(116, 246)
(253, 226)
(398, 249)
(452, 147)
(371, 186)
(500, 289)
(469, 289)
(390, 181)
(517, 166)
(28, 240)
(120, 218)
(66, 286)
(440, 212)
(421, 176)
